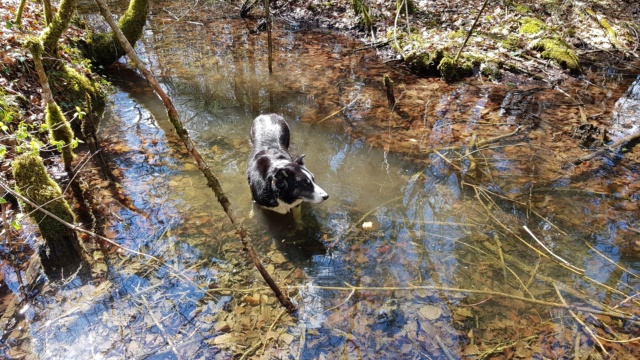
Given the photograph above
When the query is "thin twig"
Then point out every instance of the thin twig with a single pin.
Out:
(455, 61)
(161, 328)
(551, 252)
(337, 111)
(586, 328)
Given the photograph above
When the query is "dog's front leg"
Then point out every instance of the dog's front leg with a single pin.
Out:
(297, 216)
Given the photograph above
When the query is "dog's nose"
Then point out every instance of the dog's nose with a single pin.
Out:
(325, 196)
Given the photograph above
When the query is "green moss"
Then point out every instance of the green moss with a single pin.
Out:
(59, 25)
(458, 34)
(558, 51)
(440, 63)
(492, 71)
(33, 182)
(610, 32)
(531, 26)
(522, 9)
(60, 131)
(512, 42)
(450, 71)
(74, 91)
(425, 63)
(104, 49)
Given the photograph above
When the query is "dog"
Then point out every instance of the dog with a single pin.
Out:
(277, 182)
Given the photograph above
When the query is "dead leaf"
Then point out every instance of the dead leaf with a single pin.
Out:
(430, 312)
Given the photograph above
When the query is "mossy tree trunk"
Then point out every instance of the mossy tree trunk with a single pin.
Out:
(59, 129)
(58, 26)
(48, 14)
(105, 49)
(18, 19)
(63, 251)
(75, 85)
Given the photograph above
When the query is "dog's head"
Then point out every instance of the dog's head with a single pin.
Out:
(293, 181)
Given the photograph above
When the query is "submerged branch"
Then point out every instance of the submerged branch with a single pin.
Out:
(607, 148)
(212, 180)
(478, 144)
(350, 288)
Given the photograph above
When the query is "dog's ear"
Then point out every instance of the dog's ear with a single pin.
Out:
(300, 160)
(280, 179)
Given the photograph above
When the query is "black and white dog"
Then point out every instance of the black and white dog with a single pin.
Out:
(277, 183)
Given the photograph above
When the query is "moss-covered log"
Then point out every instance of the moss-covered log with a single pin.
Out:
(63, 251)
(51, 35)
(75, 89)
(60, 132)
(104, 49)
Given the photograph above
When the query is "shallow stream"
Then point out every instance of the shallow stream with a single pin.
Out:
(376, 269)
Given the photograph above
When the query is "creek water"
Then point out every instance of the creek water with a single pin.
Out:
(423, 237)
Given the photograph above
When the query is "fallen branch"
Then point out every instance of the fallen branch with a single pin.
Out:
(212, 180)
(607, 148)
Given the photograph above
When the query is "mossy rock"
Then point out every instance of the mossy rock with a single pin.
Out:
(425, 63)
(450, 71)
(558, 51)
(531, 26)
(492, 70)
(32, 181)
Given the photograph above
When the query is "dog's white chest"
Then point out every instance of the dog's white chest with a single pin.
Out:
(283, 207)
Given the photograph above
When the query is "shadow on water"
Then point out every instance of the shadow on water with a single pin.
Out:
(399, 228)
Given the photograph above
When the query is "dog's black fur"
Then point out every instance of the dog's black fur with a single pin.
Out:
(277, 182)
